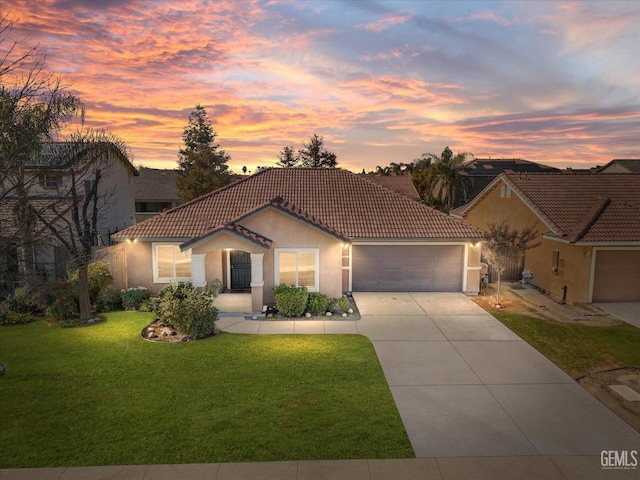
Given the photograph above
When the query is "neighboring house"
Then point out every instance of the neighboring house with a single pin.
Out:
(48, 184)
(155, 192)
(398, 183)
(590, 226)
(327, 229)
(621, 166)
(482, 171)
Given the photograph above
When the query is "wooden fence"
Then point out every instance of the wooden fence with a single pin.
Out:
(115, 257)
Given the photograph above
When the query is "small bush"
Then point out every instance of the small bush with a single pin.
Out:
(214, 287)
(60, 299)
(291, 301)
(70, 323)
(11, 317)
(22, 301)
(110, 299)
(338, 305)
(187, 310)
(317, 304)
(150, 305)
(99, 278)
(133, 297)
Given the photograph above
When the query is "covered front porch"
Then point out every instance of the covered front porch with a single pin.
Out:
(235, 256)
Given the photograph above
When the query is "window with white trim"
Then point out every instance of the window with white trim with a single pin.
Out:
(297, 267)
(169, 263)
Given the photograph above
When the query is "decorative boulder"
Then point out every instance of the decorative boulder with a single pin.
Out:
(350, 310)
(307, 315)
(329, 314)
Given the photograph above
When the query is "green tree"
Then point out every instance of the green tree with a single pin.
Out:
(505, 244)
(315, 155)
(287, 158)
(202, 164)
(442, 177)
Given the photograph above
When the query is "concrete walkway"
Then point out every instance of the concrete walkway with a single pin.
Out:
(477, 403)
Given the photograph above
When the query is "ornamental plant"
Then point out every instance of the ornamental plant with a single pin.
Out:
(317, 304)
(291, 301)
(181, 306)
(133, 297)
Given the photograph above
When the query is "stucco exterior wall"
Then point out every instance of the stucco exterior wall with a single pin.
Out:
(140, 266)
(287, 232)
(574, 261)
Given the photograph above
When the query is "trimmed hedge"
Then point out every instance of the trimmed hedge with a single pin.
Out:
(291, 301)
(318, 303)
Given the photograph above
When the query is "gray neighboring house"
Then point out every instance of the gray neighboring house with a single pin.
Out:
(155, 192)
(621, 165)
(483, 171)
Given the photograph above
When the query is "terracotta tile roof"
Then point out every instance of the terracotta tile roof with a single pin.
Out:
(398, 183)
(583, 207)
(233, 228)
(333, 199)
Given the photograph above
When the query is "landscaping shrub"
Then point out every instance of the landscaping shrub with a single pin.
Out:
(317, 304)
(22, 300)
(187, 310)
(110, 299)
(338, 305)
(214, 287)
(133, 297)
(291, 301)
(11, 317)
(70, 322)
(60, 299)
(99, 278)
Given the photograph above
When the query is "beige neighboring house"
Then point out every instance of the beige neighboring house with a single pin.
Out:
(621, 166)
(327, 229)
(155, 192)
(49, 186)
(590, 226)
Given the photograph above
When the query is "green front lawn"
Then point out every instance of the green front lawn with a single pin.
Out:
(578, 349)
(101, 395)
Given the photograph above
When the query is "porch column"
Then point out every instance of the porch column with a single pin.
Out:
(197, 270)
(257, 282)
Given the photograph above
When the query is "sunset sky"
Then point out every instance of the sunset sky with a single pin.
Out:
(382, 81)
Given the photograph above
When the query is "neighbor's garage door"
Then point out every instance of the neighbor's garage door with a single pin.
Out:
(617, 276)
(411, 268)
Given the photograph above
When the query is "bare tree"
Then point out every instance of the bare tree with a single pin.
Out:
(87, 159)
(505, 244)
(34, 107)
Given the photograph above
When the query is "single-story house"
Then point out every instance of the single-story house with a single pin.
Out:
(589, 225)
(325, 228)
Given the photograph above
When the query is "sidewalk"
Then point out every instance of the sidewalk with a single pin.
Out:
(485, 468)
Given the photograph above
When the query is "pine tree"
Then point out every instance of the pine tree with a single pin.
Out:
(202, 164)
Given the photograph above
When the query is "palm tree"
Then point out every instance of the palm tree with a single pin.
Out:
(446, 175)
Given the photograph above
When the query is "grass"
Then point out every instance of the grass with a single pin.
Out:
(101, 395)
(578, 349)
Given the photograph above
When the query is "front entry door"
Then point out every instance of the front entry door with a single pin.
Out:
(240, 270)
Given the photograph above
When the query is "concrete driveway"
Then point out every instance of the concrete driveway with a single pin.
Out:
(466, 386)
(626, 311)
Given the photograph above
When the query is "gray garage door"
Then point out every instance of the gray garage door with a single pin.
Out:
(617, 276)
(411, 268)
